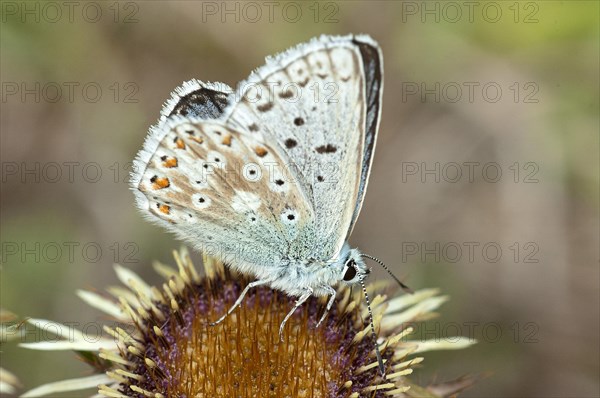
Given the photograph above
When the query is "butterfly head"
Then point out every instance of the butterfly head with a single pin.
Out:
(354, 268)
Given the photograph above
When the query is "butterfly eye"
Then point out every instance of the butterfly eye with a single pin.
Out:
(350, 271)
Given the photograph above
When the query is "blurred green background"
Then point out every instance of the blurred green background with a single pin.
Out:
(81, 84)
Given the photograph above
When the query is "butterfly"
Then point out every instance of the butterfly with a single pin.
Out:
(272, 176)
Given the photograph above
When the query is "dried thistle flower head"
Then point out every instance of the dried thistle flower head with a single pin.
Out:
(164, 345)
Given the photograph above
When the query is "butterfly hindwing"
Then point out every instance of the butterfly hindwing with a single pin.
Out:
(215, 187)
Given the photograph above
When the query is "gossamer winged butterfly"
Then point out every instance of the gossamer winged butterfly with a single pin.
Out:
(271, 177)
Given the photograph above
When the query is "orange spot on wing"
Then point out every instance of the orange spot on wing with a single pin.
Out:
(199, 140)
(164, 209)
(179, 143)
(160, 182)
(170, 162)
(227, 140)
(260, 151)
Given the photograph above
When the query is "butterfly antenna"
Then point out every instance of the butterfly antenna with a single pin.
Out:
(378, 261)
(379, 359)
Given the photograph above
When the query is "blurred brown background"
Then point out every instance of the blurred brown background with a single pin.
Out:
(506, 93)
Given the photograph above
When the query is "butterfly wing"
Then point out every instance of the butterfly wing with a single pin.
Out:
(174, 189)
(320, 102)
(373, 69)
(215, 188)
(198, 99)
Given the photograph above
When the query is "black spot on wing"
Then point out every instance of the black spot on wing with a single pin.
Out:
(290, 143)
(265, 107)
(326, 149)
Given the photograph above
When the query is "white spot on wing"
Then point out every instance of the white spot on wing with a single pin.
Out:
(343, 62)
(201, 201)
(298, 71)
(289, 217)
(319, 63)
(215, 159)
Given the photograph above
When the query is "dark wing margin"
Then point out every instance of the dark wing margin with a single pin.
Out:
(373, 69)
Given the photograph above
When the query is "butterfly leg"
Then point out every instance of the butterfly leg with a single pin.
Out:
(332, 294)
(239, 300)
(299, 302)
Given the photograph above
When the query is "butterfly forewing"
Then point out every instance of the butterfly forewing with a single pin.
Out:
(311, 101)
(373, 69)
